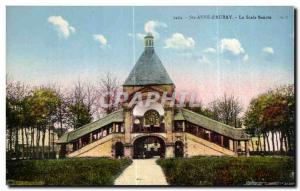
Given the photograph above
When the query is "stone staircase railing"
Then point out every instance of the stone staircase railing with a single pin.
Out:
(210, 145)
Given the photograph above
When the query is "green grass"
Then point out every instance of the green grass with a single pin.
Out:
(65, 172)
(232, 171)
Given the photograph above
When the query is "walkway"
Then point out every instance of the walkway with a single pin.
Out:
(142, 172)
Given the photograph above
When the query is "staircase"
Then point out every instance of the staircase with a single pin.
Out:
(101, 147)
(197, 146)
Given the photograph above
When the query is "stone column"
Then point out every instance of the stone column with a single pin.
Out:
(91, 137)
(113, 128)
(169, 124)
(222, 140)
(101, 135)
(170, 150)
(80, 143)
(231, 145)
(128, 150)
(127, 125)
(127, 129)
(235, 146)
(242, 146)
(239, 146)
(169, 115)
(209, 136)
(68, 147)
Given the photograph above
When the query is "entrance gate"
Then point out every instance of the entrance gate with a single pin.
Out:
(148, 147)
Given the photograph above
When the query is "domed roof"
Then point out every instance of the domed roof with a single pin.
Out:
(148, 70)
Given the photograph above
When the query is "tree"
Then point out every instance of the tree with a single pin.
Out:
(43, 106)
(280, 115)
(62, 110)
(107, 89)
(15, 95)
(272, 113)
(28, 127)
(201, 110)
(79, 107)
(251, 121)
(226, 110)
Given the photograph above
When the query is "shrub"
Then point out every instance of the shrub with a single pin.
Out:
(65, 172)
(220, 171)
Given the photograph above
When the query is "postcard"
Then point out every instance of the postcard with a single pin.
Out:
(150, 96)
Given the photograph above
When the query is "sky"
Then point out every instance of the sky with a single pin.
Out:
(209, 56)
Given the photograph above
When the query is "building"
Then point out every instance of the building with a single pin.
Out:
(153, 130)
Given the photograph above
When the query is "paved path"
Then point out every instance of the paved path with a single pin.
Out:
(142, 172)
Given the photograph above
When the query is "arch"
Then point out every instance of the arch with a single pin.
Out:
(179, 149)
(146, 135)
(119, 150)
(140, 108)
(148, 147)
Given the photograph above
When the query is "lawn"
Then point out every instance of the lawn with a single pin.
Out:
(65, 172)
(229, 171)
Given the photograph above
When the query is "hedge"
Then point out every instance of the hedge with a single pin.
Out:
(232, 171)
(65, 172)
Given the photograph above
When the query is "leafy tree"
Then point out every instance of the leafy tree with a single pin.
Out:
(251, 121)
(43, 106)
(79, 114)
(273, 113)
(15, 94)
(29, 114)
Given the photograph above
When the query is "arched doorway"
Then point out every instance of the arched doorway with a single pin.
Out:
(179, 150)
(119, 150)
(148, 147)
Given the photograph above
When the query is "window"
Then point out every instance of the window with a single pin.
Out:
(178, 126)
(151, 118)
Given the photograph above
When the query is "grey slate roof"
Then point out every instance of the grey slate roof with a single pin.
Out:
(210, 124)
(116, 116)
(148, 71)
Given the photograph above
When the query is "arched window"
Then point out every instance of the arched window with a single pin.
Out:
(151, 117)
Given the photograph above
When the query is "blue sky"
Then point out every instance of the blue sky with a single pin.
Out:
(210, 56)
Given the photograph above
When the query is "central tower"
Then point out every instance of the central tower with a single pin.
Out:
(148, 75)
(148, 70)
